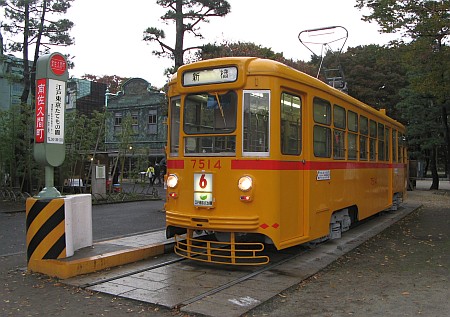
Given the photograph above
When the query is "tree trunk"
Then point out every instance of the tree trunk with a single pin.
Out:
(20, 150)
(94, 154)
(178, 53)
(36, 50)
(433, 167)
(447, 140)
(26, 67)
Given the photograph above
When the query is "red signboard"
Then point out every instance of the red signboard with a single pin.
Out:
(41, 93)
(58, 64)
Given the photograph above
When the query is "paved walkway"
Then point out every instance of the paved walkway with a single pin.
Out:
(217, 291)
(426, 184)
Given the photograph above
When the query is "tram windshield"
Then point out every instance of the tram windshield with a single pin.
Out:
(210, 113)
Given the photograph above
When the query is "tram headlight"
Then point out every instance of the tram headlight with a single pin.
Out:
(245, 183)
(172, 181)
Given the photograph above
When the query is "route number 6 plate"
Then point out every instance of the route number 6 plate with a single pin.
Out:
(203, 185)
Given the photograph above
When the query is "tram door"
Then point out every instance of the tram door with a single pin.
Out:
(291, 175)
(291, 204)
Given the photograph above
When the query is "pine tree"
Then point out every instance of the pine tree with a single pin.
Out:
(187, 16)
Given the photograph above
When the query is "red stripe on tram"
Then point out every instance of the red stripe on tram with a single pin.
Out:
(277, 165)
(175, 164)
(299, 165)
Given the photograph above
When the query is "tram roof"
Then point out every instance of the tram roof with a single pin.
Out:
(260, 66)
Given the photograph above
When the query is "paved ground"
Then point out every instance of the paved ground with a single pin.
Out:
(403, 271)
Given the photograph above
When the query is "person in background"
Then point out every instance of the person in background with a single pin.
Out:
(151, 174)
(116, 175)
(157, 174)
(163, 165)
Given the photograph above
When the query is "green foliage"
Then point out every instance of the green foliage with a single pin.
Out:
(39, 24)
(32, 22)
(375, 76)
(16, 143)
(414, 18)
(228, 49)
(81, 138)
(187, 16)
(427, 24)
(125, 145)
(193, 11)
(6, 145)
(422, 117)
(429, 68)
(58, 33)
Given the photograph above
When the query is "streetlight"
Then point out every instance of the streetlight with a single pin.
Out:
(130, 148)
(107, 93)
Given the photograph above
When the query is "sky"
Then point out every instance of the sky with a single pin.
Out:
(108, 33)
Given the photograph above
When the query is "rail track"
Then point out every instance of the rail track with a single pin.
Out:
(217, 290)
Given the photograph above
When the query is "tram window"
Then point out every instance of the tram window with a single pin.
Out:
(352, 121)
(400, 147)
(256, 122)
(338, 144)
(363, 125)
(394, 146)
(339, 121)
(339, 117)
(372, 140)
(363, 148)
(372, 149)
(175, 104)
(322, 141)
(373, 129)
(210, 145)
(387, 143)
(381, 149)
(291, 124)
(352, 147)
(322, 111)
(210, 113)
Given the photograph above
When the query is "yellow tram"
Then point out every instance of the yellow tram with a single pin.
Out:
(261, 153)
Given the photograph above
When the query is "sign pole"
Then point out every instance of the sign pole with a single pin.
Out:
(56, 226)
(49, 145)
(49, 191)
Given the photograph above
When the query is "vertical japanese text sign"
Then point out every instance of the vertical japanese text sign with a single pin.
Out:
(51, 78)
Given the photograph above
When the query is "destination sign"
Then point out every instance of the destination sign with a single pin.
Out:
(210, 76)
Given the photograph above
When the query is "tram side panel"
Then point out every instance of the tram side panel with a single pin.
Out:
(277, 202)
(399, 178)
(264, 204)
(336, 189)
(372, 192)
(320, 203)
(291, 207)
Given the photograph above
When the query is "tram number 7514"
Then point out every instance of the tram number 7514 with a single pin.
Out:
(206, 163)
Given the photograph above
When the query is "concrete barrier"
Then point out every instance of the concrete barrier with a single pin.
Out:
(56, 228)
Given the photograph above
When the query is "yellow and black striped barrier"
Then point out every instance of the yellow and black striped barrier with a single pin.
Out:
(45, 226)
(56, 228)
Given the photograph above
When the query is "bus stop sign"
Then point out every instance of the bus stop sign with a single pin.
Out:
(51, 78)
